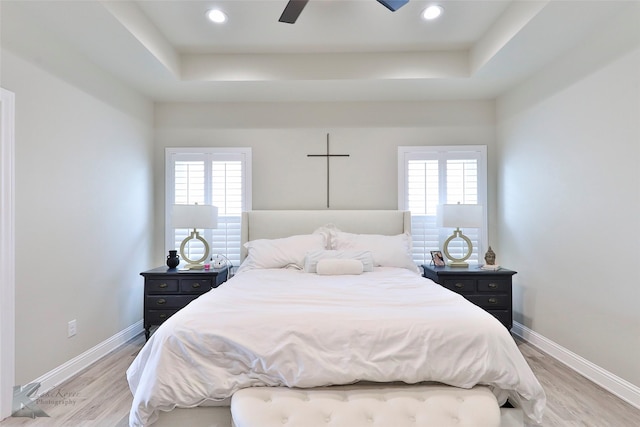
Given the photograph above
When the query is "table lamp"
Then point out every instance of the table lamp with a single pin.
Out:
(196, 217)
(459, 216)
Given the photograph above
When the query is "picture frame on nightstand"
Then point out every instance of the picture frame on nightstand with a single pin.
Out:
(437, 259)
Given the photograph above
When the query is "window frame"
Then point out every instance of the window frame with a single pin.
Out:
(444, 153)
(242, 154)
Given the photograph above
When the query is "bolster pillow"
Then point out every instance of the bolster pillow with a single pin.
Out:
(339, 266)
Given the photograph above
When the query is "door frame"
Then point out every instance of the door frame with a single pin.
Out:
(7, 251)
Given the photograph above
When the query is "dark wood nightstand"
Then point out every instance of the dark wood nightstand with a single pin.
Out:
(168, 290)
(490, 290)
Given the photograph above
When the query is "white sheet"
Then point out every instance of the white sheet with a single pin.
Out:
(296, 329)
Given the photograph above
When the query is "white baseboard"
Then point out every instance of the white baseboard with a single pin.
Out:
(605, 379)
(65, 371)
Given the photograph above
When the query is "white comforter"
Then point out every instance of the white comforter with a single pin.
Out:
(291, 328)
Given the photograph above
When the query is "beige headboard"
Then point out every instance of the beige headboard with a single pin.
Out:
(273, 224)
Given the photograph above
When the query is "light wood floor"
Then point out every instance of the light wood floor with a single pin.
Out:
(99, 396)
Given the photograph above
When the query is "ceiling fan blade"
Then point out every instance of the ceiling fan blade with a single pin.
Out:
(393, 5)
(292, 11)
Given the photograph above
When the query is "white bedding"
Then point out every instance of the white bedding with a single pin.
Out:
(280, 327)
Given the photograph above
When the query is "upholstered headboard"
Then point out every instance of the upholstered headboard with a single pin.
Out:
(273, 224)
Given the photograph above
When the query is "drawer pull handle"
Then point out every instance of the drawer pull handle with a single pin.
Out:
(493, 300)
(493, 285)
(459, 285)
(163, 285)
(195, 285)
(163, 316)
(161, 301)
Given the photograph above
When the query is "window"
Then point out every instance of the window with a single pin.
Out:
(211, 176)
(430, 176)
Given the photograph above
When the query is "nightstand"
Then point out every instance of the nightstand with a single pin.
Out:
(490, 290)
(168, 290)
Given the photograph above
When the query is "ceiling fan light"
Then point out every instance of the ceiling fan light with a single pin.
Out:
(217, 16)
(432, 12)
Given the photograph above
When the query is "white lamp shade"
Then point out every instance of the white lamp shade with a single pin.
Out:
(460, 216)
(194, 216)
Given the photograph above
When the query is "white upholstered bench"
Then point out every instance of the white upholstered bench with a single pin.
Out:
(363, 405)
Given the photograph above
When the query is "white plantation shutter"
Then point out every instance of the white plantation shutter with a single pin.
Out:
(212, 176)
(189, 189)
(429, 176)
(462, 187)
(227, 195)
(422, 192)
(462, 181)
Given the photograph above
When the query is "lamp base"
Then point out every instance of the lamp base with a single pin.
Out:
(194, 264)
(458, 264)
(455, 262)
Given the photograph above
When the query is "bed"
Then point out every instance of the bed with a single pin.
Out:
(324, 298)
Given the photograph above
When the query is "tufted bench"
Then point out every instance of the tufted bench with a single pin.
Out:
(365, 405)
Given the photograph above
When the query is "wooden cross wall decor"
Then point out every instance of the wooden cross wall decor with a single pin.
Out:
(328, 155)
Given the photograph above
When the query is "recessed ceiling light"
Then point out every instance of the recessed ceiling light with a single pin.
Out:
(217, 16)
(432, 12)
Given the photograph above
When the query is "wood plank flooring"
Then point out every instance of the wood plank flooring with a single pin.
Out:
(99, 396)
(573, 400)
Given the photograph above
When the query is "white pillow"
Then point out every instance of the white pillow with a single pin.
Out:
(312, 258)
(328, 231)
(387, 251)
(329, 266)
(279, 253)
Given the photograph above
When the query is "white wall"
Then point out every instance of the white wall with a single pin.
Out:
(281, 136)
(83, 209)
(569, 199)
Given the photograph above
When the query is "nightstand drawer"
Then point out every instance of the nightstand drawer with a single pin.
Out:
(195, 286)
(498, 285)
(490, 302)
(156, 317)
(168, 290)
(488, 289)
(161, 286)
(168, 302)
(460, 285)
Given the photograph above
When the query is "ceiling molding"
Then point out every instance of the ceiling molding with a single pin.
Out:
(134, 21)
(325, 66)
(510, 23)
(167, 52)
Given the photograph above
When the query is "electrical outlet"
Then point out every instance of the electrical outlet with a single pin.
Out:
(71, 328)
